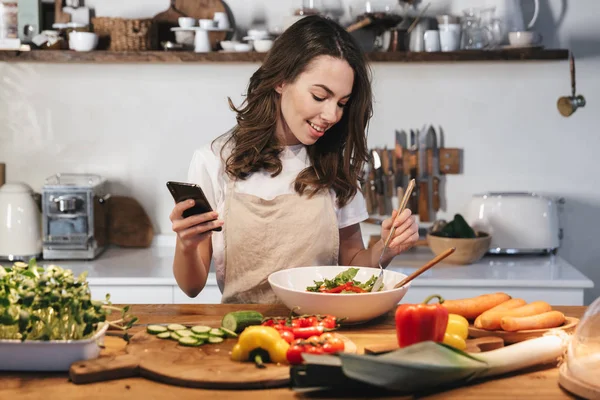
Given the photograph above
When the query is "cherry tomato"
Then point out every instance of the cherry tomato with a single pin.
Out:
(268, 322)
(286, 335)
(336, 343)
(326, 336)
(328, 323)
(294, 354)
(314, 339)
(311, 321)
(313, 349)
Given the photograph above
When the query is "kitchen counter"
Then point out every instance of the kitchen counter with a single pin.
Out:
(145, 276)
(539, 382)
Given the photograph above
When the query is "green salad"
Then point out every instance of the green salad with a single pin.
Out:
(343, 282)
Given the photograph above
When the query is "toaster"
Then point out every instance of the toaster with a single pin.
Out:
(519, 222)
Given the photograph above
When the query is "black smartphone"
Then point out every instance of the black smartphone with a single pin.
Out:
(182, 191)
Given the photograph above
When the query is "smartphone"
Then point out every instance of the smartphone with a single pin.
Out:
(182, 191)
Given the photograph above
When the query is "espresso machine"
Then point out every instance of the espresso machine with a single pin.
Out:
(75, 216)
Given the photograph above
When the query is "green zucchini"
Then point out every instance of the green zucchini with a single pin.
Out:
(215, 339)
(175, 336)
(237, 321)
(164, 335)
(201, 336)
(175, 327)
(201, 329)
(156, 329)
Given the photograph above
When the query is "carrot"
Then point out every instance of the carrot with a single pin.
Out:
(491, 321)
(550, 319)
(507, 305)
(472, 307)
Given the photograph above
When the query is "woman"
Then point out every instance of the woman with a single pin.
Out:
(283, 183)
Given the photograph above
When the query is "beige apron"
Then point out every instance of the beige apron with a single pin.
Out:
(264, 236)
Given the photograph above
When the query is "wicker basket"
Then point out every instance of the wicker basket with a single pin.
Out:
(120, 34)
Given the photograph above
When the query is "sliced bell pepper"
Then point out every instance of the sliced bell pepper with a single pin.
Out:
(421, 322)
(260, 344)
(457, 331)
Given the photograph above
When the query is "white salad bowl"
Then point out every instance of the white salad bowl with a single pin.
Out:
(290, 287)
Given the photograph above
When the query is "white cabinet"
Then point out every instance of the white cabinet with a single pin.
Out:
(209, 295)
(128, 294)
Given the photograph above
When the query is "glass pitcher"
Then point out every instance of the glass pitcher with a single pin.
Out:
(474, 36)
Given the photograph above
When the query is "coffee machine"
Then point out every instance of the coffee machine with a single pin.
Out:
(75, 216)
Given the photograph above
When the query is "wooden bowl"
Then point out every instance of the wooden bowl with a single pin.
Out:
(467, 251)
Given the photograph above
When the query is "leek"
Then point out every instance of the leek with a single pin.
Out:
(429, 365)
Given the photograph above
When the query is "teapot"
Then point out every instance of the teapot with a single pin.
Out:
(20, 223)
(508, 11)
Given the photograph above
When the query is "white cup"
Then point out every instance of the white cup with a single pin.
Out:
(449, 37)
(432, 41)
(202, 42)
(186, 22)
(524, 38)
(221, 20)
(206, 23)
(83, 41)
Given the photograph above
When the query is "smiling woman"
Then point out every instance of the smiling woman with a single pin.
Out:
(284, 182)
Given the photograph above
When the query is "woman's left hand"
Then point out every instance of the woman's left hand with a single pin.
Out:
(405, 235)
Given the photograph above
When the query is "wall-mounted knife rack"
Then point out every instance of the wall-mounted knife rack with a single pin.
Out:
(390, 170)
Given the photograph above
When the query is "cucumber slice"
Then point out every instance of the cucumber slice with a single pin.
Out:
(184, 332)
(175, 336)
(188, 341)
(201, 329)
(164, 335)
(228, 333)
(175, 327)
(216, 332)
(237, 321)
(215, 339)
(156, 329)
(201, 336)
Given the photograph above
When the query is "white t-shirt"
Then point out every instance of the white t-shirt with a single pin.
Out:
(207, 170)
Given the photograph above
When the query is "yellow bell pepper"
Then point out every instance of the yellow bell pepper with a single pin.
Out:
(457, 331)
(260, 344)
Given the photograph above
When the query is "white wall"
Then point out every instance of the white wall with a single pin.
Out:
(138, 124)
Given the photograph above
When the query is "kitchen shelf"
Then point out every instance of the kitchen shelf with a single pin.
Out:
(66, 56)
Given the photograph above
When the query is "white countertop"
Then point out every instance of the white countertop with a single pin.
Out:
(153, 266)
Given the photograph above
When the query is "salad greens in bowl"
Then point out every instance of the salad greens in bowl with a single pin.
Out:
(345, 292)
(48, 319)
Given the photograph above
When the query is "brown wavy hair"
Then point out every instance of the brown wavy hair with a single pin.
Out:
(337, 158)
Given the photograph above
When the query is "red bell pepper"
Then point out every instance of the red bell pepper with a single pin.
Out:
(421, 322)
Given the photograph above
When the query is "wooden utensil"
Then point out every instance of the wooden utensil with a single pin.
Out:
(425, 267)
(473, 345)
(164, 360)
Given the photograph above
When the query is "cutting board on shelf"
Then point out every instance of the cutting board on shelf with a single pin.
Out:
(129, 225)
(197, 9)
(164, 360)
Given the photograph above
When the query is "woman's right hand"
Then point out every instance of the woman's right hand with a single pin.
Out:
(195, 228)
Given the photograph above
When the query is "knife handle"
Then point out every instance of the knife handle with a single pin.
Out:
(423, 201)
(436, 194)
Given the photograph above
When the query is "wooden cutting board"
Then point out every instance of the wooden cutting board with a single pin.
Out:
(129, 224)
(519, 336)
(164, 360)
(198, 9)
(473, 345)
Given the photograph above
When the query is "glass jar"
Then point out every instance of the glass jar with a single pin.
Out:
(9, 28)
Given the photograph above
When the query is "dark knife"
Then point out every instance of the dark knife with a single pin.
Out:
(423, 180)
(414, 204)
(399, 151)
(435, 169)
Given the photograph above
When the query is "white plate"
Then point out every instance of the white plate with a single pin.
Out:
(290, 287)
(48, 355)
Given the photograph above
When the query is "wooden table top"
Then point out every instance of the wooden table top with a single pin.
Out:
(531, 384)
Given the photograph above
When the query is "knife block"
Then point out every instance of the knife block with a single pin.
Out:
(450, 161)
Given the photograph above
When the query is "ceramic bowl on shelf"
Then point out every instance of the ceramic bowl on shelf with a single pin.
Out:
(290, 287)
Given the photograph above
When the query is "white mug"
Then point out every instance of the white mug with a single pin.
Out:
(206, 23)
(202, 42)
(221, 20)
(432, 41)
(449, 37)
